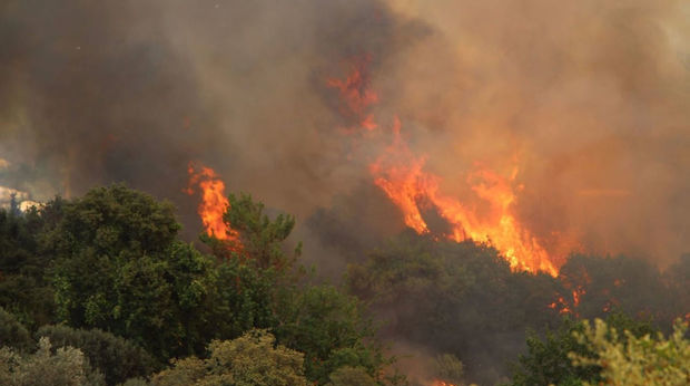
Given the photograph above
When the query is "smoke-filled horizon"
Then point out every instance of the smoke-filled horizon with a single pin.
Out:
(582, 106)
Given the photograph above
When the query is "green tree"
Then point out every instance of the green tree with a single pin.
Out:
(606, 284)
(261, 285)
(547, 359)
(23, 288)
(455, 298)
(12, 333)
(328, 326)
(116, 358)
(261, 238)
(118, 267)
(449, 368)
(65, 367)
(351, 376)
(251, 360)
(626, 359)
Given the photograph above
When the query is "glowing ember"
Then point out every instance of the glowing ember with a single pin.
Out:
(213, 204)
(577, 295)
(561, 305)
(355, 94)
(441, 383)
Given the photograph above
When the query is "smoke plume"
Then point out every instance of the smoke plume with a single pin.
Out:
(587, 99)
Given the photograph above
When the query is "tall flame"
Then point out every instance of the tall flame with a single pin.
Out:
(213, 203)
(401, 175)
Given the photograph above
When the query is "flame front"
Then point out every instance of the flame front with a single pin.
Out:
(213, 203)
(402, 176)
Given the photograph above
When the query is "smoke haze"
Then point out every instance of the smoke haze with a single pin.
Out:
(588, 99)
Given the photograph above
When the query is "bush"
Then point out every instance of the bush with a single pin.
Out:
(117, 358)
(12, 333)
(626, 359)
(251, 360)
(66, 367)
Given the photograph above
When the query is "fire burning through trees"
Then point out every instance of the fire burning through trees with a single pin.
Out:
(213, 203)
(402, 176)
(441, 383)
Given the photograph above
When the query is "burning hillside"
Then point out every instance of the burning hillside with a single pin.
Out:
(554, 129)
(402, 176)
(500, 146)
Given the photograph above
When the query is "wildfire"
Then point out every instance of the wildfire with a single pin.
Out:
(213, 204)
(561, 305)
(355, 95)
(441, 383)
(401, 175)
(577, 295)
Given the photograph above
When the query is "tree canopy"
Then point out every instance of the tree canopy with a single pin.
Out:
(108, 280)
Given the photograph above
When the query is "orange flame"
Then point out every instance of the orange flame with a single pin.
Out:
(402, 177)
(577, 295)
(213, 203)
(438, 382)
(355, 94)
(561, 305)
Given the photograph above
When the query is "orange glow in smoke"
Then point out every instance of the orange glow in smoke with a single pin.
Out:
(402, 176)
(213, 203)
(355, 95)
(441, 383)
(561, 305)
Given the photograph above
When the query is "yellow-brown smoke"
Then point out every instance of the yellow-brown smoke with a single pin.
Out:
(588, 99)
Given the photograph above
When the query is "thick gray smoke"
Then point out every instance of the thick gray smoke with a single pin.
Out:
(588, 98)
(131, 91)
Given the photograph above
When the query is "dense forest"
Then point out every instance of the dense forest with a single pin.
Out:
(103, 290)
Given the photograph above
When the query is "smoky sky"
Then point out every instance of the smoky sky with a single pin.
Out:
(588, 98)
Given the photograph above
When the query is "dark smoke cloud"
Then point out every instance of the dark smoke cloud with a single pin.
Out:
(95, 95)
(590, 97)
(132, 91)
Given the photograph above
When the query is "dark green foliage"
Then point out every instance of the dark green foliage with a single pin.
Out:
(618, 283)
(12, 333)
(23, 288)
(112, 260)
(328, 327)
(135, 382)
(321, 322)
(547, 361)
(114, 220)
(119, 267)
(247, 297)
(115, 357)
(454, 298)
(261, 237)
(351, 376)
(261, 286)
